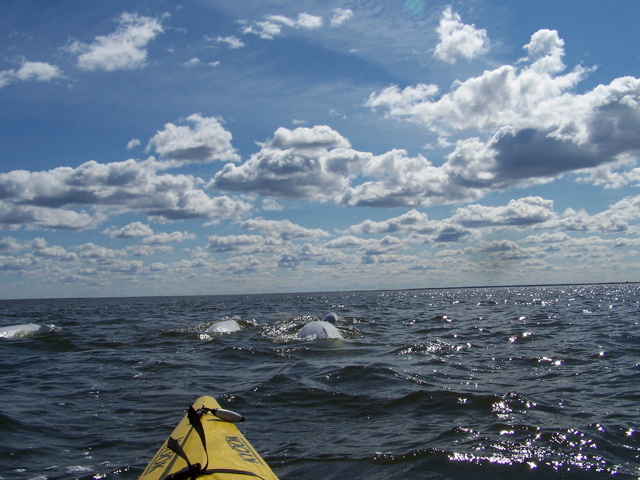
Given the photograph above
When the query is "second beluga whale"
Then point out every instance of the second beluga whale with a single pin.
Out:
(324, 328)
(227, 325)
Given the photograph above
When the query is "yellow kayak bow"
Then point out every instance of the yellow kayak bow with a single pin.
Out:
(207, 445)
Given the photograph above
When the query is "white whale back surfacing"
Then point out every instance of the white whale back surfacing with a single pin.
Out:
(321, 329)
(225, 326)
(18, 331)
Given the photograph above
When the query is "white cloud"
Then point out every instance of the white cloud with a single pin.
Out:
(523, 212)
(232, 42)
(458, 40)
(272, 25)
(546, 237)
(271, 205)
(366, 246)
(40, 248)
(284, 229)
(538, 129)
(313, 163)
(99, 253)
(545, 45)
(132, 230)
(318, 164)
(317, 138)
(58, 198)
(173, 237)
(340, 15)
(412, 221)
(531, 97)
(505, 249)
(417, 228)
(12, 263)
(133, 143)
(615, 219)
(627, 242)
(13, 216)
(10, 245)
(38, 71)
(205, 141)
(402, 181)
(194, 62)
(124, 49)
(127, 267)
(243, 244)
(309, 22)
(466, 222)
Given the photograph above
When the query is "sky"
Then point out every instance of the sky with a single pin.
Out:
(153, 147)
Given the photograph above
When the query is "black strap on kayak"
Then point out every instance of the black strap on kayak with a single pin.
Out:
(192, 472)
(184, 474)
(196, 423)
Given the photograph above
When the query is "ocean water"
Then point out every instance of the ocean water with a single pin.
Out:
(477, 383)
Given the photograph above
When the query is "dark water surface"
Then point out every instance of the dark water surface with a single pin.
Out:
(509, 383)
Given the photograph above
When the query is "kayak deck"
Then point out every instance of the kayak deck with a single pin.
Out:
(225, 453)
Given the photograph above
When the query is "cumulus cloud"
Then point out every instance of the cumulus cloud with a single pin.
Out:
(132, 230)
(340, 15)
(417, 228)
(40, 248)
(318, 164)
(522, 212)
(8, 263)
(232, 42)
(527, 97)
(366, 246)
(537, 128)
(127, 267)
(401, 181)
(99, 253)
(412, 221)
(314, 163)
(37, 71)
(554, 133)
(242, 244)
(10, 245)
(59, 198)
(13, 216)
(613, 220)
(546, 237)
(193, 62)
(458, 40)
(173, 237)
(466, 222)
(500, 249)
(124, 49)
(133, 143)
(272, 25)
(206, 140)
(627, 242)
(285, 229)
(271, 205)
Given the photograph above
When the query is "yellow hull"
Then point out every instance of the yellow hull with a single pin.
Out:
(228, 455)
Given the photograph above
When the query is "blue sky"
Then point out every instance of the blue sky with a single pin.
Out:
(222, 147)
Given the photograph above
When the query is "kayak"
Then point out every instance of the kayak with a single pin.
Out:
(207, 445)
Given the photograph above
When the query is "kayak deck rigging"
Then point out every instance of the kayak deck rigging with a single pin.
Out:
(217, 442)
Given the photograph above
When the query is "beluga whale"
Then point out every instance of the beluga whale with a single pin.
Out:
(19, 331)
(324, 328)
(225, 326)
